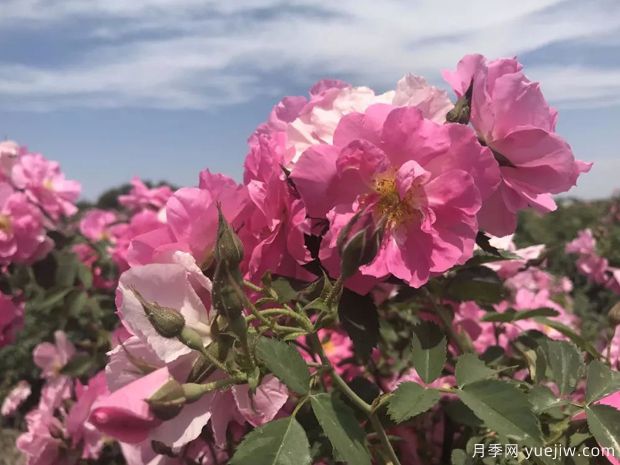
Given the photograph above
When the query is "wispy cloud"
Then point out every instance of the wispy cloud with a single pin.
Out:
(200, 54)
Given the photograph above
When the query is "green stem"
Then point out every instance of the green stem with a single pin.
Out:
(357, 401)
(251, 285)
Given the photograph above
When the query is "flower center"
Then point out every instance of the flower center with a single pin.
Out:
(48, 184)
(5, 223)
(391, 206)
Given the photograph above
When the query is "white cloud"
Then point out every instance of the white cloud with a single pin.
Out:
(215, 52)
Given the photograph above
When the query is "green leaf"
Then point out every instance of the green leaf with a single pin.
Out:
(512, 315)
(503, 408)
(429, 350)
(280, 442)
(469, 368)
(284, 361)
(67, 269)
(411, 399)
(572, 335)
(604, 424)
(477, 283)
(342, 429)
(360, 319)
(460, 457)
(53, 298)
(601, 381)
(564, 364)
(543, 399)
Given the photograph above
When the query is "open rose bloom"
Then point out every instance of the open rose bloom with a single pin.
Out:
(361, 296)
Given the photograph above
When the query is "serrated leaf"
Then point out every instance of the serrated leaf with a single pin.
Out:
(570, 334)
(469, 368)
(477, 283)
(601, 381)
(360, 319)
(503, 408)
(543, 399)
(411, 399)
(564, 364)
(280, 442)
(284, 361)
(429, 350)
(604, 424)
(512, 315)
(342, 429)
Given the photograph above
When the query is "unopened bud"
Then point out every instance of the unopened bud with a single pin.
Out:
(168, 322)
(228, 247)
(360, 250)
(462, 109)
(168, 400)
(225, 293)
(614, 315)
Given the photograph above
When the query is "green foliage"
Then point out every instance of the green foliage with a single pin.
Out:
(284, 361)
(411, 399)
(428, 350)
(280, 442)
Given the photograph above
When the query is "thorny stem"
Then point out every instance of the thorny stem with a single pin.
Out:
(462, 342)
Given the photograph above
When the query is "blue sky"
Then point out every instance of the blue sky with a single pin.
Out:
(164, 88)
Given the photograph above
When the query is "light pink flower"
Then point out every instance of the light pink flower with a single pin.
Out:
(423, 179)
(11, 318)
(95, 224)
(84, 436)
(9, 155)
(142, 197)
(51, 358)
(15, 398)
(179, 285)
(140, 224)
(22, 235)
(512, 118)
(46, 185)
(318, 119)
(42, 443)
(263, 405)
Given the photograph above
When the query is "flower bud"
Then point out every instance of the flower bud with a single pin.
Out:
(462, 109)
(225, 295)
(168, 400)
(228, 248)
(168, 322)
(360, 249)
(614, 315)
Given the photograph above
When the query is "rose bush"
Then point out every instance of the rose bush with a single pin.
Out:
(349, 301)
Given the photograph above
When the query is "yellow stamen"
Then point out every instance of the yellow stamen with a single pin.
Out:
(5, 223)
(391, 206)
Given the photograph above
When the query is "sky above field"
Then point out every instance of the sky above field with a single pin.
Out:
(164, 88)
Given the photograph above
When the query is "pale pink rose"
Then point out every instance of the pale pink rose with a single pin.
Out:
(583, 244)
(130, 360)
(9, 155)
(142, 197)
(512, 118)
(51, 358)
(46, 185)
(42, 443)
(95, 224)
(125, 414)
(15, 398)
(11, 318)
(84, 435)
(173, 285)
(22, 233)
(508, 268)
(263, 405)
(318, 120)
(425, 181)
